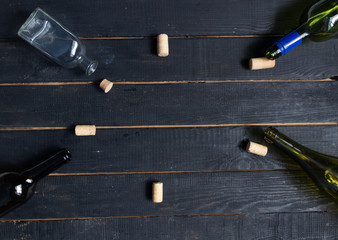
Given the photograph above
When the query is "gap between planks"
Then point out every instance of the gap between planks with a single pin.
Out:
(174, 126)
(184, 36)
(163, 82)
(166, 172)
(158, 216)
(173, 37)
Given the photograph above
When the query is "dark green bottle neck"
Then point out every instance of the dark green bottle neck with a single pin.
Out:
(272, 135)
(273, 52)
(292, 148)
(46, 167)
(306, 157)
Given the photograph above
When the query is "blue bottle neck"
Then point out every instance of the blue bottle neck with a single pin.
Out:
(288, 42)
(291, 41)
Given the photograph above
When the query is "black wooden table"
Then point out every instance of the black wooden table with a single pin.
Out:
(180, 120)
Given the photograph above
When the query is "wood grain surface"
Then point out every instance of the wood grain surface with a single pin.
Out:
(191, 59)
(184, 194)
(183, 120)
(144, 18)
(257, 226)
(235, 103)
(160, 150)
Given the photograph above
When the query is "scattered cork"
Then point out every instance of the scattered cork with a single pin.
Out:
(106, 85)
(85, 130)
(257, 149)
(261, 63)
(157, 192)
(162, 45)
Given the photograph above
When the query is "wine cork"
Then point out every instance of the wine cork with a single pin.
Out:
(157, 192)
(162, 45)
(257, 149)
(106, 85)
(85, 130)
(261, 63)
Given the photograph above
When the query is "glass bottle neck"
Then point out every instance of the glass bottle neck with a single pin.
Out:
(287, 43)
(46, 167)
(272, 135)
(86, 64)
(294, 149)
(303, 155)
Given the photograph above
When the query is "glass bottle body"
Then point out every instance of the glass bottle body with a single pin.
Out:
(55, 41)
(320, 26)
(323, 169)
(16, 188)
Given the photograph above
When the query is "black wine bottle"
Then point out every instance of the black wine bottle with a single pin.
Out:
(16, 188)
(323, 169)
(320, 26)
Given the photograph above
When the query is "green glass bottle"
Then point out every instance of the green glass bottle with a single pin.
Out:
(323, 169)
(320, 26)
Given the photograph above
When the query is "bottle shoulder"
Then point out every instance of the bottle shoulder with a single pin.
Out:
(16, 186)
(322, 18)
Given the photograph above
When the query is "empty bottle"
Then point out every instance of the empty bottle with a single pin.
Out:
(16, 188)
(55, 41)
(320, 26)
(323, 169)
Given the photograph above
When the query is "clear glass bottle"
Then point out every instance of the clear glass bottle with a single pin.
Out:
(16, 188)
(55, 41)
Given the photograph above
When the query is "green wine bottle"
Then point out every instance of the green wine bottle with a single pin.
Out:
(320, 26)
(323, 169)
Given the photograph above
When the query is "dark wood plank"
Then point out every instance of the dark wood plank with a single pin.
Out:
(155, 150)
(297, 226)
(60, 106)
(197, 59)
(241, 185)
(143, 17)
(198, 193)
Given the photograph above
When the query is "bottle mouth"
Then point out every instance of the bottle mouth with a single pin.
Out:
(270, 133)
(273, 52)
(87, 65)
(91, 68)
